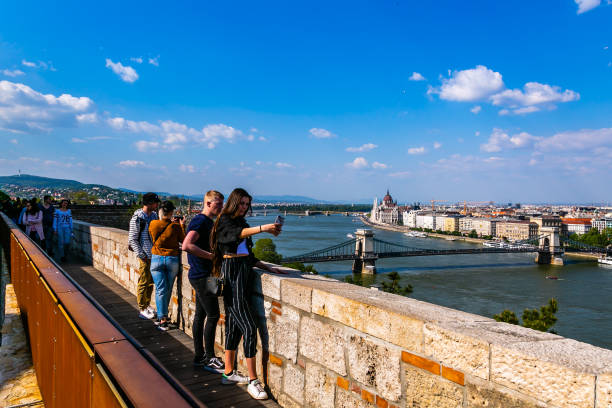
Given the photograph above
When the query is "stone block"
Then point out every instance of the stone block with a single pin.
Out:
(345, 399)
(293, 382)
(323, 344)
(484, 394)
(531, 369)
(424, 389)
(286, 402)
(284, 334)
(296, 294)
(275, 379)
(398, 329)
(375, 365)
(320, 387)
(604, 390)
(457, 350)
(270, 285)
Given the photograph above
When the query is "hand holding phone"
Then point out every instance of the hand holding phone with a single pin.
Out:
(280, 220)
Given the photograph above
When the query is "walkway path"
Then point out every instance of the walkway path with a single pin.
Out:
(174, 348)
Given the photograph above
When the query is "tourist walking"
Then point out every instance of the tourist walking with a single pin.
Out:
(33, 221)
(166, 235)
(140, 242)
(234, 260)
(23, 206)
(199, 256)
(62, 228)
(48, 214)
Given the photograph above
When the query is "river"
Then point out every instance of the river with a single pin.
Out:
(482, 284)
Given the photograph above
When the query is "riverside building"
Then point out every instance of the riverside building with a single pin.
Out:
(482, 226)
(386, 212)
(516, 230)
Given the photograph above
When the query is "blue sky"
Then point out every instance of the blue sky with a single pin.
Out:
(481, 100)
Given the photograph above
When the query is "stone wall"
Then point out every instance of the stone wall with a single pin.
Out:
(325, 343)
(115, 216)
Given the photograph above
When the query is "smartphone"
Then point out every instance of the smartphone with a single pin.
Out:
(279, 220)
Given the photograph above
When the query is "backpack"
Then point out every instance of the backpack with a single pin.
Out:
(142, 223)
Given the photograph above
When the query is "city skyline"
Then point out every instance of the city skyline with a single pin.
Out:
(452, 102)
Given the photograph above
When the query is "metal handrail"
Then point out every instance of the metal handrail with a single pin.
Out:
(137, 345)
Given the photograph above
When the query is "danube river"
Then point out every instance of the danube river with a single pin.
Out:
(481, 284)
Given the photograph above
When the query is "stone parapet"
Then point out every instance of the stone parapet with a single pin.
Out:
(326, 343)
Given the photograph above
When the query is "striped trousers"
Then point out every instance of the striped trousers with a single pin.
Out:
(239, 321)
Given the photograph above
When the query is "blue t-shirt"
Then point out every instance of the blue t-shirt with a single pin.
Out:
(200, 267)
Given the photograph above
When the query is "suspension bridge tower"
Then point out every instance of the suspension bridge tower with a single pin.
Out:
(550, 250)
(364, 249)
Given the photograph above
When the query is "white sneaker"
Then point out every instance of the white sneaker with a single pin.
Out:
(256, 390)
(146, 314)
(234, 378)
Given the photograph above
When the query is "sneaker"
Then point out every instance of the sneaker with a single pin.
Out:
(234, 378)
(163, 326)
(200, 362)
(146, 314)
(214, 365)
(256, 390)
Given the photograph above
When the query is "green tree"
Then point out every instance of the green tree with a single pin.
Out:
(302, 268)
(4, 196)
(507, 316)
(394, 285)
(542, 320)
(265, 250)
(473, 234)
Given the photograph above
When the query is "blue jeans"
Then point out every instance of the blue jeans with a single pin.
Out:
(64, 236)
(164, 270)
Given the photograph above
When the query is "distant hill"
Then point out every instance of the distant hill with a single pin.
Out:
(28, 180)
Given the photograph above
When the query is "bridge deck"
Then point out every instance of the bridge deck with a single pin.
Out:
(174, 348)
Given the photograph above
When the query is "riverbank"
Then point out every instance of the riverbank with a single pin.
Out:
(401, 228)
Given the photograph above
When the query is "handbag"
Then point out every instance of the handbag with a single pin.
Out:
(214, 285)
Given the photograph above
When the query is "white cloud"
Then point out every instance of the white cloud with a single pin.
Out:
(250, 138)
(416, 77)
(476, 109)
(145, 145)
(23, 109)
(321, 133)
(469, 85)
(437, 145)
(500, 140)
(416, 150)
(378, 165)
(358, 163)
(28, 64)
(363, 148)
(213, 134)
(87, 117)
(477, 133)
(584, 139)
(78, 140)
(14, 141)
(154, 61)
(40, 64)
(132, 163)
(284, 165)
(137, 60)
(262, 139)
(586, 5)
(253, 130)
(534, 94)
(12, 73)
(126, 73)
(187, 168)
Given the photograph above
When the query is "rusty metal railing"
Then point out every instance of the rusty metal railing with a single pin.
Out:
(82, 357)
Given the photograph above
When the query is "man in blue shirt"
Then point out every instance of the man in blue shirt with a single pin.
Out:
(199, 256)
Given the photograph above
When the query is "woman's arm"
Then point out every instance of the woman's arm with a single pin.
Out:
(189, 246)
(273, 229)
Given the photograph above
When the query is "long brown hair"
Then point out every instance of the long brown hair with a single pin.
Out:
(232, 209)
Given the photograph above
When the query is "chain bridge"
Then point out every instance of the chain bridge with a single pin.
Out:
(364, 250)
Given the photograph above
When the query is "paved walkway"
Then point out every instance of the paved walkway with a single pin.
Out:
(174, 348)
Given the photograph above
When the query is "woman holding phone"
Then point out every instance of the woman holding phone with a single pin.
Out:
(233, 258)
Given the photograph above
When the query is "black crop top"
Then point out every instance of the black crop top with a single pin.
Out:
(228, 236)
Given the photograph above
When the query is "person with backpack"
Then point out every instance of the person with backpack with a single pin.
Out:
(140, 242)
(63, 229)
(33, 220)
(199, 256)
(166, 235)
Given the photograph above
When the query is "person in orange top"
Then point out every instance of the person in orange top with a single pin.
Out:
(166, 236)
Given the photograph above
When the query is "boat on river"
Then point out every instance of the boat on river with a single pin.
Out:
(605, 260)
(415, 234)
